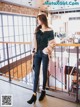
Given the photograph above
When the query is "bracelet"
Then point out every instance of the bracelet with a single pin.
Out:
(33, 50)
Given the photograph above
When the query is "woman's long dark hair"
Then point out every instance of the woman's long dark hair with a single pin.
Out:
(44, 20)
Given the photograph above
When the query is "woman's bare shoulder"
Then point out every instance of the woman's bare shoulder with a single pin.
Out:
(50, 29)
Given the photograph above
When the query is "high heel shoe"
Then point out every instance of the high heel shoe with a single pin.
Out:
(32, 100)
(43, 93)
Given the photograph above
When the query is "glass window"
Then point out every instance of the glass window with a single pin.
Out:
(24, 21)
(13, 51)
(20, 21)
(2, 64)
(34, 20)
(16, 30)
(10, 52)
(28, 20)
(0, 31)
(28, 47)
(28, 29)
(21, 38)
(11, 61)
(17, 49)
(20, 30)
(11, 39)
(17, 39)
(10, 20)
(15, 20)
(32, 29)
(25, 38)
(5, 20)
(29, 37)
(5, 50)
(18, 57)
(32, 35)
(25, 29)
(31, 20)
(0, 20)
(5, 31)
(22, 48)
(6, 39)
(22, 56)
(1, 55)
(14, 59)
(6, 62)
(11, 32)
(1, 46)
(1, 39)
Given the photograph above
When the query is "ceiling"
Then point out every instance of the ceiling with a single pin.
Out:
(39, 4)
(28, 3)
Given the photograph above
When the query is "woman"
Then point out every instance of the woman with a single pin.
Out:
(43, 34)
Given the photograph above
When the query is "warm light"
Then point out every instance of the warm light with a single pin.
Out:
(79, 67)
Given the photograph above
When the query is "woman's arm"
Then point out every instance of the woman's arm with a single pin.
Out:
(34, 49)
(51, 43)
(35, 43)
(48, 50)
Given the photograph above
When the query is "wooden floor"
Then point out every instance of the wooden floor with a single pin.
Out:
(21, 71)
(21, 95)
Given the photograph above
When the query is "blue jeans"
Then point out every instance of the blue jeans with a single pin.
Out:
(40, 56)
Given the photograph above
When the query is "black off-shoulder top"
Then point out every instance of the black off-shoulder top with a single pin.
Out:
(42, 38)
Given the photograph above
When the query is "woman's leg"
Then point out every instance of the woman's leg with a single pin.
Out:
(37, 62)
(45, 60)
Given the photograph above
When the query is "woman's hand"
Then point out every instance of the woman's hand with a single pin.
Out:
(49, 48)
(33, 55)
(52, 43)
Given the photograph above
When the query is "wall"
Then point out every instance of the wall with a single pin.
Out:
(6, 7)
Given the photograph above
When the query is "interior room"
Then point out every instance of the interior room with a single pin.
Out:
(18, 23)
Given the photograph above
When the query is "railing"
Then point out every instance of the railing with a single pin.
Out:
(64, 69)
(15, 61)
(64, 66)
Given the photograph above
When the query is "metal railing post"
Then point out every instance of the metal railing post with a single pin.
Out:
(77, 100)
(8, 62)
(55, 65)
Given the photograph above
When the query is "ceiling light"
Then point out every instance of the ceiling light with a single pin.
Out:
(29, 2)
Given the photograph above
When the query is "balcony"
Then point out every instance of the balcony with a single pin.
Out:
(64, 73)
(17, 25)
